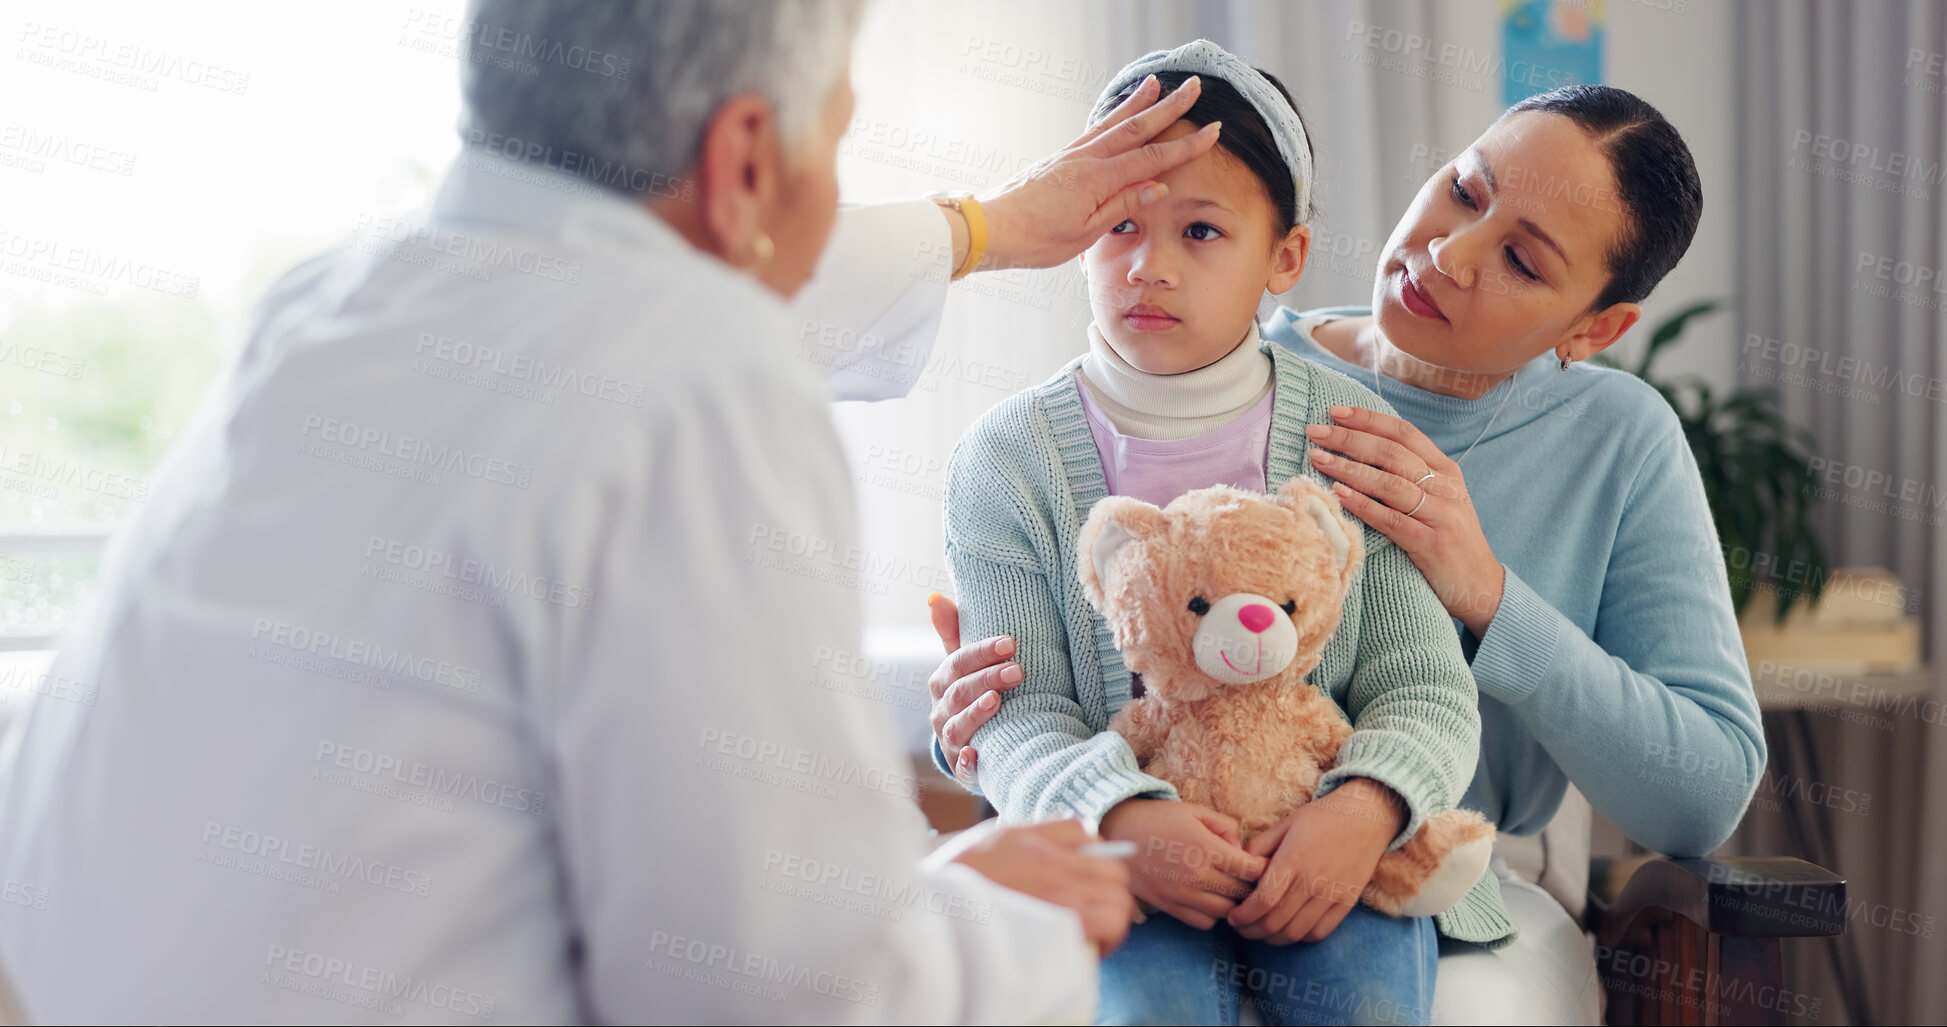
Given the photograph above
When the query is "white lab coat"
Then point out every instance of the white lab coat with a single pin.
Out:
(481, 654)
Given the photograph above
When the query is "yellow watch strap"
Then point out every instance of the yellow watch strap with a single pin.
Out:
(976, 235)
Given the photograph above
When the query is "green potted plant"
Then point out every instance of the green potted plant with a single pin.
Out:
(1757, 474)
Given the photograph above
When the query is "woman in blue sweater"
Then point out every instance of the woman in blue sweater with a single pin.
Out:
(1554, 507)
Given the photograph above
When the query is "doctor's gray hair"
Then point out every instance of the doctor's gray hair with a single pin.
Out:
(619, 93)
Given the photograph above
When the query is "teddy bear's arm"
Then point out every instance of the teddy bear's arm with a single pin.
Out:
(1139, 725)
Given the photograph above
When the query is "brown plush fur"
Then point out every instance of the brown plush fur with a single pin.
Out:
(1254, 751)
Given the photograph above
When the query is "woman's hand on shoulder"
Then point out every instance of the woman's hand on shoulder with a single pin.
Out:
(1392, 477)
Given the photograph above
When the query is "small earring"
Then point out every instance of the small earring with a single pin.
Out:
(763, 248)
(1564, 363)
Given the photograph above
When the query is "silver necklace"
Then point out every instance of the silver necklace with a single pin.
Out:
(1490, 420)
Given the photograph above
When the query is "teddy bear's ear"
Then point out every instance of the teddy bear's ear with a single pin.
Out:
(1114, 523)
(1309, 499)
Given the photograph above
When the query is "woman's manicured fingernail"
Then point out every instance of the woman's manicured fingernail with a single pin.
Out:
(1339, 487)
(1318, 431)
(1151, 193)
(1341, 411)
(989, 701)
(1322, 458)
(1004, 647)
(1011, 673)
(1147, 82)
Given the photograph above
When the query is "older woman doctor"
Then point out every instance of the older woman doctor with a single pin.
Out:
(440, 678)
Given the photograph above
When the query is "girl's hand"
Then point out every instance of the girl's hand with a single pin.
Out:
(1187, 860)
(1432, 521)
(1322, 857)
(966, 688)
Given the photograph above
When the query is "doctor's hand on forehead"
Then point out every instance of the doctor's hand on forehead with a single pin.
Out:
(1055, 209)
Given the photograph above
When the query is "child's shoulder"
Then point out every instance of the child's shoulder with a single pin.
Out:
(1027, 421)
(1324, 387)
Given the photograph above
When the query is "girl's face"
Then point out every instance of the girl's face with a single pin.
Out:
(1175, 287)
(1503, 252)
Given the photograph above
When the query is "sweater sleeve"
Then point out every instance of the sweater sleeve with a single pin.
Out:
(1416, 723)
(1654, 717)
(1040, 755)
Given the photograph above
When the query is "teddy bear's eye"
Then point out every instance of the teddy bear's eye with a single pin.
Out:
(1199, 606)
(1290, 606)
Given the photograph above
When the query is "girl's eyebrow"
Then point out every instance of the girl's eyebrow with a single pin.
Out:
(1206, 202)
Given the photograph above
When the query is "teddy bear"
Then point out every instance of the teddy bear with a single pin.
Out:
(1222, 603)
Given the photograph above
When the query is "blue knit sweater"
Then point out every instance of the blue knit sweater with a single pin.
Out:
(1614, 660)
(1020, 484)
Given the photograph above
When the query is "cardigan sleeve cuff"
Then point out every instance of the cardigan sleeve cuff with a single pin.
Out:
(1397, 762)
(1520, 644)
(1093, 793)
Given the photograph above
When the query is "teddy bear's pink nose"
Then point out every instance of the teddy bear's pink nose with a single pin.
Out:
(1256, 616)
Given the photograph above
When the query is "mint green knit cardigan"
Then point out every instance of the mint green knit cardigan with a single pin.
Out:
(1019, 485)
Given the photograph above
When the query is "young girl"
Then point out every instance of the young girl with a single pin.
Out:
(1178, 392)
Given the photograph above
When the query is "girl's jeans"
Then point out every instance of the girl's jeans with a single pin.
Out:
(1373, 969)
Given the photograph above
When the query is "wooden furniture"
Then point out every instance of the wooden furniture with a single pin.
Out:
(1697, 941)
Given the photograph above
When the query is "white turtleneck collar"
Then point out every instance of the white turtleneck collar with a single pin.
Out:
(1166, 407)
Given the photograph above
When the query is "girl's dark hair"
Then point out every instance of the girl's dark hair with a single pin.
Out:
(1245, 136)
(1656, 181)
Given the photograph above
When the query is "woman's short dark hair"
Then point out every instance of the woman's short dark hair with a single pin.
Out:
(1245, 136)
(1656, 180)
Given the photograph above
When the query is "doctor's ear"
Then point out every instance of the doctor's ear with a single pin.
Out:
(738, 172)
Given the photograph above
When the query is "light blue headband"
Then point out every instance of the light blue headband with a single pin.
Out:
(1204, 57)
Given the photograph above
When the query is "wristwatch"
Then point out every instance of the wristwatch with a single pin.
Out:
(969, 208)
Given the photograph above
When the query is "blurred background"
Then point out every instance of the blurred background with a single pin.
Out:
(160, 164)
